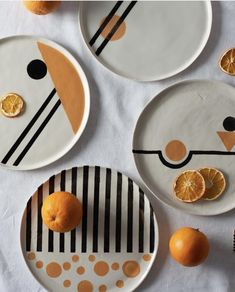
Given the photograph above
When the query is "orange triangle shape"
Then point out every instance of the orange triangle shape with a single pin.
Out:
(67, 84)
(228, 139)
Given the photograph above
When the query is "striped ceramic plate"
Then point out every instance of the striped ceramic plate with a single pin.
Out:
(56, 98)
(115, 245)
(146, 40)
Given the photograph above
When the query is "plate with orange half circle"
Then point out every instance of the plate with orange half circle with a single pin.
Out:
(47, 90)
(145, 40)
(188, 126)
(112, 249)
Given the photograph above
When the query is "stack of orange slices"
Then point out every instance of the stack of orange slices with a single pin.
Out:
(205, 183)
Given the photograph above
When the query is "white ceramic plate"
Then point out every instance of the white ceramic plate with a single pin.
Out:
(200, 115)
(117, 238)
(57, 101)
(146, 40)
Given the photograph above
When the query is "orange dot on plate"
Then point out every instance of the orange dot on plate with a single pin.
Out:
(101, 268)
(67, 283)
(91, 258)
(175, 150)
(119, 283)
(102, 288)
(53, 270)
(146, 257)
(66, 266)
(115, 266)
(85, 286)
(31, 256)
(39, 264)
(80, 270)
(131, 269)
(75, 258)
(119, 32)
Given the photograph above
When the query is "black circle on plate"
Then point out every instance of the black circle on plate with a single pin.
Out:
(229, 124)
(37, 69)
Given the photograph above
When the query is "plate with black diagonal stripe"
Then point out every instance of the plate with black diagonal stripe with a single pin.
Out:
(145, 40)
(112, 249)
(56, 101)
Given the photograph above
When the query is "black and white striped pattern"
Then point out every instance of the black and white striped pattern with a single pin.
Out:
(117, 216)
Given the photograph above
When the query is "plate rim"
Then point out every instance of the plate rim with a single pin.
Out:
(157, 233)
(87, 99)
(187, 81)
(162, 77)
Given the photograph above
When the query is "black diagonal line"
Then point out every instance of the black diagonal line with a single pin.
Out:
(106, 21)
(38, 132)
(28, 128)
(96, 209)
(50, 232)
(28, 224)
(152, 233)
(141, 221)
(62, 188)
(118, 214)
(39, 224)
(115, 28)
(74, 191)
(130, 217)
(107, 210)
(85, 207)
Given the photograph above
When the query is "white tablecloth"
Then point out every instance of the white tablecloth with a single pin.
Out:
(115, 106)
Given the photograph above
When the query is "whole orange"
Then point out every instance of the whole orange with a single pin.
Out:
(41, 7)
(189, 246)
(61, 211)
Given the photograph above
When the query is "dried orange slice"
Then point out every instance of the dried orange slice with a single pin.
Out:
(11, 105)
(227, 62)
(189, 186)
(215, 183)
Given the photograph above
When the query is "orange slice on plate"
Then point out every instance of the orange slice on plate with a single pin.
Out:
(11, 105)
(215, 183)
(189, 186)
(227, 62)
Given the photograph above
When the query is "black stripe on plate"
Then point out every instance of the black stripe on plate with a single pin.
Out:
(107, 210)
(28, 128)
(39, 223)
(28, 224)
(118, 213)
(106, 21)
(115, 28)
(50, 232)
(84, 207)
(62, 188)
(37, 133)
(152, 233)
(74, 191)
(130, 216)
(96, 209)
(141, 221)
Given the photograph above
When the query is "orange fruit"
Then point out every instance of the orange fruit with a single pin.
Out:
(189, 186)
(41, 7)
(61, 211)
(11, 105)
(215, 183)
(227, 62)
(189, 246)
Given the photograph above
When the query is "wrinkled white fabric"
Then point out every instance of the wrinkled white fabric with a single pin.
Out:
(107, 141)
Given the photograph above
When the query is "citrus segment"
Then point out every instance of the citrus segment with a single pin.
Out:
(189, 186)
(227, 62)
(215, 183)
(11, 105)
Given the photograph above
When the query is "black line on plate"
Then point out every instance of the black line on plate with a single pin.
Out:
(28, 128)
(130, 217)
(96, 209)
(85, 207)
(104, 24)
(152, 233)
(62, 188)
(28, 224)
(39, 223)
(50, 232)
(115, 28)
(118, 213)
(74, 191)
(141, 221)
(37, 133)
(107, 210)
